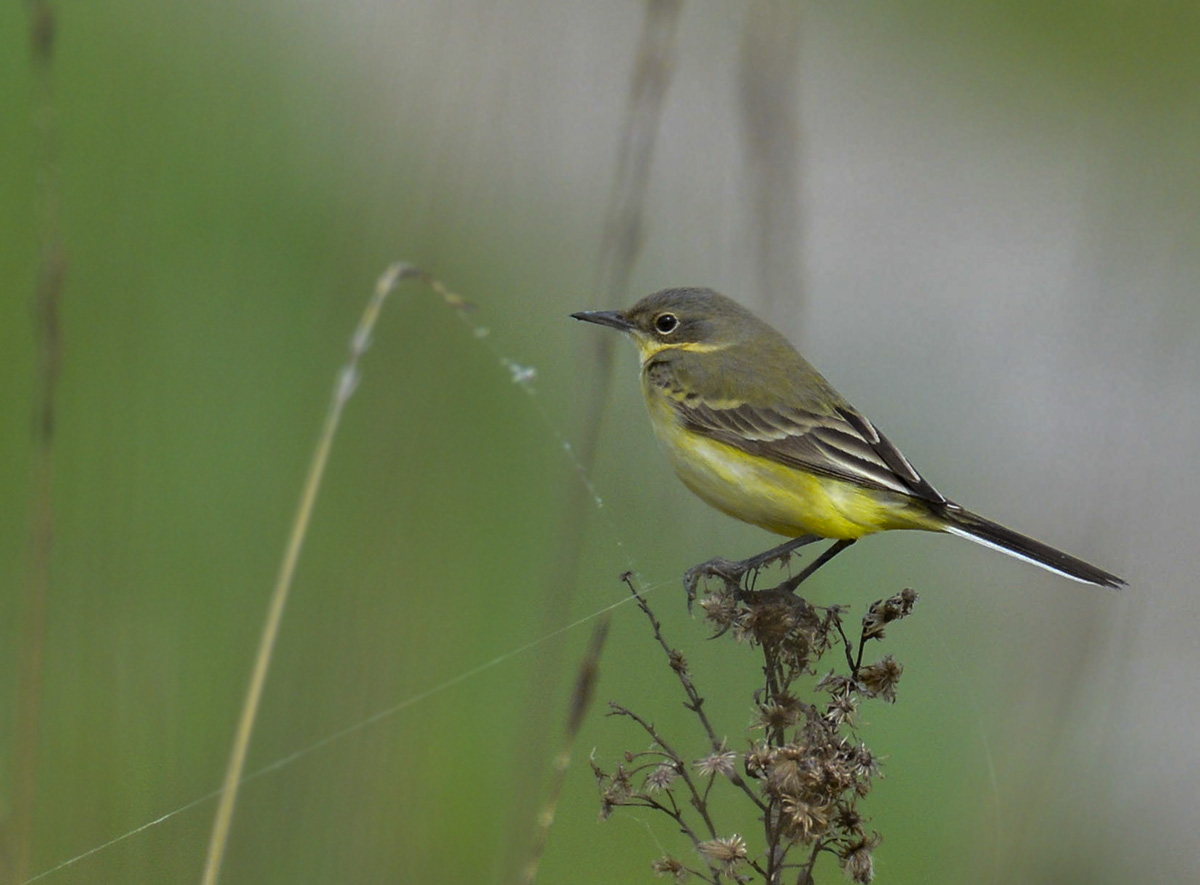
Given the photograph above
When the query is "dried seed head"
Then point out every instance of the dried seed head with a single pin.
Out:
(804, 821)
(835, 683)
(768, 623)
(848, 820)
(669, 866)
(863, 767)
(616, 793)
(727, 854)
(779, 716)
(661, 776)
(884, 611)
(857, 860)
(678, 661)
(721, 762)
(879, 680)
(720, 609)
(784, 767)
(841, 709)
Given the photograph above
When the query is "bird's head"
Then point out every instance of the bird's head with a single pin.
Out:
(697, 320)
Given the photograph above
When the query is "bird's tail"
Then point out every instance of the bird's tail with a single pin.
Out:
(968, 525)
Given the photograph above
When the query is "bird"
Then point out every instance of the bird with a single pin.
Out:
(755, 431)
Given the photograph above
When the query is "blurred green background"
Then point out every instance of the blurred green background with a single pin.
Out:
(995, 230)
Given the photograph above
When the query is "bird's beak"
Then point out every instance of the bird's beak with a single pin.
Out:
(613, 318)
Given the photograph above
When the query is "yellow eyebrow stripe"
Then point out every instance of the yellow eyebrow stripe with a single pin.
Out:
(650, 348)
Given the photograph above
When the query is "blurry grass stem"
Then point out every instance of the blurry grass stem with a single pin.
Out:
(581, 701)
(769, 100)
(346, 384)
(620, 245)
(46, 309)
(623, 220)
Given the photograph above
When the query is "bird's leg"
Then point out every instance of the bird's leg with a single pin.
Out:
(777, 554)
(732, 572)
(795, 581)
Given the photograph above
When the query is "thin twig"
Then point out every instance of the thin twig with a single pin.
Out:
(648, 727)
(849, 648)
(347, 381)
(695, 703)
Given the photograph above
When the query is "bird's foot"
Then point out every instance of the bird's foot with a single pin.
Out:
(739, 576)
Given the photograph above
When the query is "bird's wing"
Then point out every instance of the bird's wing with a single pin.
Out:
(843, 444)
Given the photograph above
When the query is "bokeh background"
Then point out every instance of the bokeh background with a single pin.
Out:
(982, 221)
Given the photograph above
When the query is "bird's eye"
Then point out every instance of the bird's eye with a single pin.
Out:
(665, 323)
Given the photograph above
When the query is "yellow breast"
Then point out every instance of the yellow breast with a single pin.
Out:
(771, 495)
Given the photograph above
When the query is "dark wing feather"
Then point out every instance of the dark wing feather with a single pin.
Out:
(843, 445)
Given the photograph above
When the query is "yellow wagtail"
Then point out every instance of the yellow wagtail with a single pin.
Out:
(755, 431)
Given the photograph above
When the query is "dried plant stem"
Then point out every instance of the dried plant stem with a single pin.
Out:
(347, 381)
(695, 703)
(668, 752)
(806, 769)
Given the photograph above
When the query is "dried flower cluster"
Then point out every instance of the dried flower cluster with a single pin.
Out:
(803, 766)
